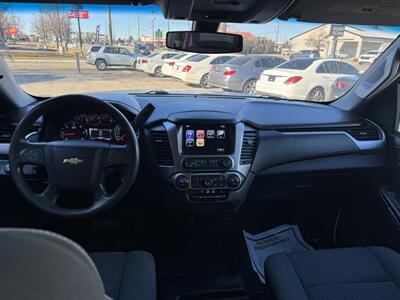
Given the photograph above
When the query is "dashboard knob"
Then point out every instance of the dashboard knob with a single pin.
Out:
(227, 163)
(188, 163)
(182, 182)
(233, 181)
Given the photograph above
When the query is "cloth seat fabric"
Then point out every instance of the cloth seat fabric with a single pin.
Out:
(371, 273)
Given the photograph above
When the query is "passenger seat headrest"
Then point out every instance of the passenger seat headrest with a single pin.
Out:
(40, 265)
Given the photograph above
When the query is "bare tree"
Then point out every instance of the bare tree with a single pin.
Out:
(41, 27)
(7, 19)
(317, 40)
(89, 37)
(52, 23)
(258, 46)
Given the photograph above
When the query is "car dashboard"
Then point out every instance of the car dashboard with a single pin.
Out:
(205, 152)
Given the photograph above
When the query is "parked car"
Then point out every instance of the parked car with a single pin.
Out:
(369, 57)
(168, 64)
(108, 56)
(141, 49)
(241, 73)
(304, 78)
(152, 64)
(139, 61)
(342, 85)
(341, 55)
(196, 69)
(306, 54)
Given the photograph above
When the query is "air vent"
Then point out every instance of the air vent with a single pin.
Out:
(249, 147)
(161, 148)
(6, 132)
(364, 132)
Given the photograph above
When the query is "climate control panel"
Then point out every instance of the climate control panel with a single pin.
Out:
(207, 186)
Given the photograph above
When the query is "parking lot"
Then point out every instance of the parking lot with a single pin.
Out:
(47, 77)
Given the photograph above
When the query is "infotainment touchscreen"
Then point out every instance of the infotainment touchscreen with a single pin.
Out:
(208, 139)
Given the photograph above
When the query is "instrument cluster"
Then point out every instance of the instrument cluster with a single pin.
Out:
(98, 127)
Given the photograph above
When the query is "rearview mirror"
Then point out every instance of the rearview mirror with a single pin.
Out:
(204, 42)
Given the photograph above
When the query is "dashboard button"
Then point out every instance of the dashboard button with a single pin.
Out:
(188, 163)
(182, 182)
(233, 181)
(227, 163)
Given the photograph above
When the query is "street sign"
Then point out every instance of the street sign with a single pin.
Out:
(158, 33)
(11, 31)
(78, 14)
(97, 41)
(337, 30)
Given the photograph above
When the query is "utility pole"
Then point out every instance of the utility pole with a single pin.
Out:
(110, 35)
(80, 33)
(277, 37)
(152, 29)
(138, 28)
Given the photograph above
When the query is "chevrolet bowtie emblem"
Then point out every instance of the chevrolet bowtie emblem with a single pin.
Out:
(73, 161)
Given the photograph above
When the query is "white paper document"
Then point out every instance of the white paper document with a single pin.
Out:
(282, 239)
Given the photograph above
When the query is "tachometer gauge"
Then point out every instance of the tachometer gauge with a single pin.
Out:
(81, 118)
(73, 130)
(105, 119)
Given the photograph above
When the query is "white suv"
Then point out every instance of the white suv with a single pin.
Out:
(106, 56)
(369, 57)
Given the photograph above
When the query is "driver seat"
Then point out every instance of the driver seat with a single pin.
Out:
(41, 265)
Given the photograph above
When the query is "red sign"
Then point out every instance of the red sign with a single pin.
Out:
(78, 14)
(11, 31)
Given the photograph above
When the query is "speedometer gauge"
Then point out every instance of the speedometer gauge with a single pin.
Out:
(72, 130)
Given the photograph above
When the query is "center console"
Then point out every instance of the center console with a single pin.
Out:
(210, 161)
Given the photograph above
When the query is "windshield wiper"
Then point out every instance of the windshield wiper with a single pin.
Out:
(157, 92)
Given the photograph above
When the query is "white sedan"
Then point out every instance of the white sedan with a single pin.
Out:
(168, 64)
(152, 64)
(303, 78)
(196, 69)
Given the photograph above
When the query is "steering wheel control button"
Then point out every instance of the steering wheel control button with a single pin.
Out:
(182, 182)
(32, 155)
(117, 156)
(233, 181)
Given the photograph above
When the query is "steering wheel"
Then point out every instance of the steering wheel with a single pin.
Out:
(73, 164)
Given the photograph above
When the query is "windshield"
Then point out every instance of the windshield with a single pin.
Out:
(54, 49)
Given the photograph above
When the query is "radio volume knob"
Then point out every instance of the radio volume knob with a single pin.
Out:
(227, 163)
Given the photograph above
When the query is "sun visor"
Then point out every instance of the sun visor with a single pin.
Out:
(232, 11)
(360, 12)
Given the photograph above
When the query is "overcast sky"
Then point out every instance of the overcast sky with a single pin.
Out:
(125, 22)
